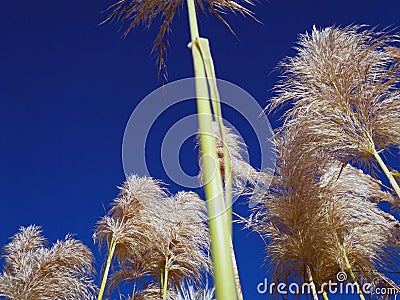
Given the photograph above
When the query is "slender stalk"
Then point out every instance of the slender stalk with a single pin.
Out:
(219, 231)
(134, 290)
(388, 174)
(111, 250)
(165, 279)
(312, 284)
(354, 278)
(236, 274)
(325, 295)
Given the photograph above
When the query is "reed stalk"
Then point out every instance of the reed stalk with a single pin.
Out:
(111, 250)
(164, 280)
(385, 170)
(312, 284)
(216, 207)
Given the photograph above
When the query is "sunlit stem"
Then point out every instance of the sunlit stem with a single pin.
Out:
(164, 281)
(348, 265)
(236, 275)
(353, 277)
(388, 174)
(110, 255)
(216, 105)
(218, 224)
(325, 295)
(312, 284)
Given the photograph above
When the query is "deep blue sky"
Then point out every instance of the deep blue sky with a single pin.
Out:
(68, 87)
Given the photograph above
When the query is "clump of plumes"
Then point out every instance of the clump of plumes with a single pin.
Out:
(135, 12)
(366, 236)
(133, 220)
(187, 248)
(290, 219)
(32, 271)
(343, 87)
(154, 232)
(319, 216)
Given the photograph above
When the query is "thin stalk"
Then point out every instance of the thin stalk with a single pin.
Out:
(110, 255)
(219, 231)
(388, 174)
(134, 290)
(343, 253)
(236, 274)
(165, 279)
(325, 295)
(312, 284)
(353, 277)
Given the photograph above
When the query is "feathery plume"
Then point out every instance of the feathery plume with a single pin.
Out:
(133, 220)
(319, 217)
(33, 271)
(154, 233)
(135, 12)
(343, 84)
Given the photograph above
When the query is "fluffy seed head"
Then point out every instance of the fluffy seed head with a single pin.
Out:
(343, 87)
(33, 271)
(136, 12)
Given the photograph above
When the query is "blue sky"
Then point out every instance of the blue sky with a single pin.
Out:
(69, 86)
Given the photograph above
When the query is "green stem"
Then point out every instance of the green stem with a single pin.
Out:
(165, 279)
(216, 105)
(111, 250)
(353, 277)
(219, 231)
(388, 174)
(325, 295)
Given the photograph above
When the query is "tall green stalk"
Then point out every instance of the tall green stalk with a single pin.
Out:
(219, 231)
(388, 174)
(164, 278)
(216, 105)
(325, 295)
(110, 255)
(353, 277)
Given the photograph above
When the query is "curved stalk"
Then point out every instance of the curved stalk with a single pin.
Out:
(110, 255)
